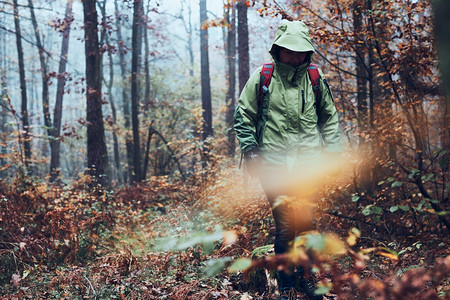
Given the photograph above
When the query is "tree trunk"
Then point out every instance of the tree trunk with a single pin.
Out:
(231, 63)
(57, 114)
(207, 129)
(361, 83)
(147, 149)
(125, 99)
(45, 98)
(441, 9)
(3, 111)
(361, 80)
(148, 103)
(244, 57)
(3, 65)
(190, 47)
(23, 88)
(136, 44)
(114, 116)
(97, 155)
(104, 38)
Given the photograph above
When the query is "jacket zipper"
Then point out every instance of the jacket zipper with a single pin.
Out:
(303, 101)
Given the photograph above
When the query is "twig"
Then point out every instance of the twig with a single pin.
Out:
(353, 219)
(26, 6)
(90, 284)
(171, 151)
(372, 239)
(25, 39)
(339, 68)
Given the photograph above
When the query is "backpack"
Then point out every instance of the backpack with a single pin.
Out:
(266, 76)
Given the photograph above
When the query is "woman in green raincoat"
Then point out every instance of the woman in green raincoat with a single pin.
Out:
(286, 136)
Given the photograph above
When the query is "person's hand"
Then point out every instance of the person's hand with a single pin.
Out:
(252, 161)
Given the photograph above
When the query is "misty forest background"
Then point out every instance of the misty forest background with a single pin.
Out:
(119, 168)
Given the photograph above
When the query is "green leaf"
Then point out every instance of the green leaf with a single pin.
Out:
(204, 238)
(381, 182)
(427, 177)
(367, 211)
(239, 265)
(393, 208)
(315, 241)
(413, 173)
(397, 184)
(208, 247)
(402, 251)
(442, 213)
(404, 207)
(165, 244)
(390, 179)
(262, 251)
(355, 198)
(377, 210)
(356, 231)
(322, 290)
(420, 205)
(215, 266)
(443, 152)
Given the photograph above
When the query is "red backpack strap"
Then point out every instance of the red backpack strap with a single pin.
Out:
(314, 75)
(266, 76)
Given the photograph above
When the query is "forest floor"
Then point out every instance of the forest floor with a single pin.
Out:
(196, 240)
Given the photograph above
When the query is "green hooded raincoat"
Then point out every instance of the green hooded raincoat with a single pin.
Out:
(287, 127)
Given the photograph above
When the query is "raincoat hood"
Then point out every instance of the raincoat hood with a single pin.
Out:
(292, 35)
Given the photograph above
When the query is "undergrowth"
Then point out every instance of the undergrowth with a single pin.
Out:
(168, 239)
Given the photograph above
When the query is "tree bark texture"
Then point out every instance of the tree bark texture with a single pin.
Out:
(360, 55)
(55, 142)
(104, 39)
(97, 156)
(147, 101)
(205, 77)
(43, 63)
(136, 44)
(23, 88)
(125, 98)
(244, 57)
(361, 84)
(190, 47)
(114, 115)
(441, 9)
(231, 63)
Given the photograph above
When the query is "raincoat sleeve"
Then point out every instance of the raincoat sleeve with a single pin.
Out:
(246, 113)
(328, 121)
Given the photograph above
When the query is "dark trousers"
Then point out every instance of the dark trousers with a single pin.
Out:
(293, 215)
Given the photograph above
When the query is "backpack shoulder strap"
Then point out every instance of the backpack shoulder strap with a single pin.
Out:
(266, 76)
(314, 75)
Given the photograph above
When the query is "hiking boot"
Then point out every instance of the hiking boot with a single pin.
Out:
(308, 287)
(290, 294)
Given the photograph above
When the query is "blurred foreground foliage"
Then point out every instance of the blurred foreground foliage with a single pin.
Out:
(208, 238)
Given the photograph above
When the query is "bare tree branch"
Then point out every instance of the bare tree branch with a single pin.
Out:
(25, 39)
